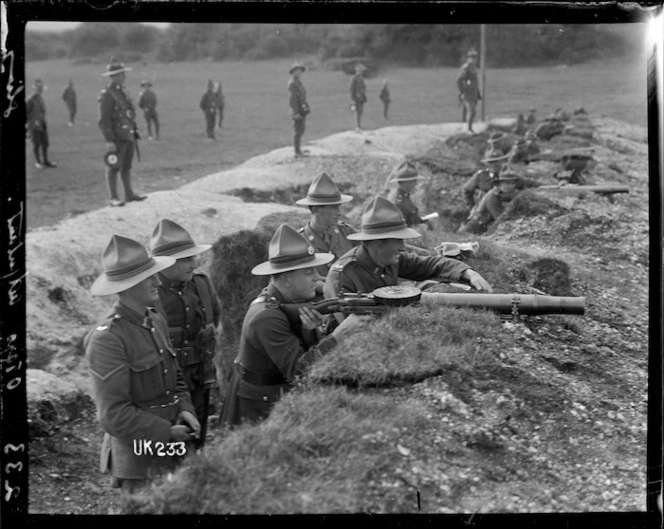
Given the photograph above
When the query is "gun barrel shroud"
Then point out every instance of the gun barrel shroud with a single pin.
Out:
(531, 304)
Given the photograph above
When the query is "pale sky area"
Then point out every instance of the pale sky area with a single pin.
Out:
(62, 26)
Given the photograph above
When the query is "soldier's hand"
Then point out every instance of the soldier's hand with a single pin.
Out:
(189, 421)
(310, 318)
(352, 323)
(476, 280)
(180, 433)
(111, 147)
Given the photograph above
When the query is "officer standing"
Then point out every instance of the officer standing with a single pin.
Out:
(147, 101)
(469, 89)
(69, 97)
(272, 349)
(209, 107)
(117, 123)
(358, 93)
(192, 309)
(137, 384)
(35, 110)
(298, 105)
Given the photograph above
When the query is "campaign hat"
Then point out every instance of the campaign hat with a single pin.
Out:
(472, 52)
(126, 263)
(170, 239)
(295, 66)
(494, 155)
(115, 67)
(382, 220)
(405, 172)
(290, 250)
(507, 174)
(323, 192)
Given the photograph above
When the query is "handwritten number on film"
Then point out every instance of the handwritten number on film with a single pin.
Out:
(17, 467)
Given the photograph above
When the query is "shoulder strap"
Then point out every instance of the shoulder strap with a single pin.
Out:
(203, 287)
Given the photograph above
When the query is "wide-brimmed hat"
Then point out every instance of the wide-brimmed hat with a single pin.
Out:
(405, 172)
(495, 136)
(171, 239)
(494, 155)
(472, 52)
(323, 192)
(520, 143)
(295, 66)
(126, 263)
(146, 83)
(115, 67)
(507, 174)
(359, 67)
(382, 220)
(290, 250)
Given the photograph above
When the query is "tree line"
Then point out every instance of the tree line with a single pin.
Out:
(508, 45)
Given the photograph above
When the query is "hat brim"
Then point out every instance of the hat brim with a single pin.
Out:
(313, 202)
(408, 179)
(297, 68)
(403, 233)
(496, 159)
(102, 286)
(267, 269)
(190, 252)
(114, 72)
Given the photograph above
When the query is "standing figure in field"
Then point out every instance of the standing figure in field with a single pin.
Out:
(274, 349)
(531, 118)
(209, 107)
(147, 101)
(35, 111)
(220, 101)
(138, 388)
(298, 106)
(469, 88)
(192, 309)
(117, 123)
(358, 93)
(406, 178)
(385, 98)
(69, 97)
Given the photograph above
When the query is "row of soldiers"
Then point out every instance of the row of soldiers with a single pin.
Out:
(152, 358)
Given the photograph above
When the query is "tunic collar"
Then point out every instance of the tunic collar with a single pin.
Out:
(133, 316)
(365, 260)
(169, 284)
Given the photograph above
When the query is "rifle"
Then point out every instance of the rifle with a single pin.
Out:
(384, 299)
(605, 189)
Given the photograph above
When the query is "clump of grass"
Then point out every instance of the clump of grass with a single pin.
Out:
(531, 204)
(314, 454)
(407, 344)
(552, 276)
(269, 224)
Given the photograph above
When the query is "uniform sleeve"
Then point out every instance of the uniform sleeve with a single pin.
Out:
(493, 205)
(105, 112)
(337, 281)
(141, 101)
(469, 190)
(294, 100)
(419, 268)
(461, 80)
(118, 414)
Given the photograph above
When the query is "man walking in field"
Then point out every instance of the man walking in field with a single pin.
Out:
(469, 90)
(385, 98)
(35, 110)
(298, 105)
(209, 107)
(147, 101)
(358, 93)
(117, 123)
(69, 97)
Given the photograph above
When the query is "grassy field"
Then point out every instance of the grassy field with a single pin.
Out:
(257, 116)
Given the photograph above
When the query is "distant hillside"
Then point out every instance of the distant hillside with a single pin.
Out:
(508, 45)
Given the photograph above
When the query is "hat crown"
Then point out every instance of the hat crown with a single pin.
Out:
(405, 171)
(288, 248)
(323, 187)
(124, 258)
(169, 238)
(380, 215)
(114, 65)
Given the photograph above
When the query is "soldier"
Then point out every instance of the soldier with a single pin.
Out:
(549, 127)
(298, 105)
(118, 125)
(220, 100)
(518, 153)
(381, 258)
(142, 401)
(192, 309)
(469, 89)
(209, 107)
(358, 93)
(325, 230)
(531, 118)
(406, 177)
(532, 147)
(520, 126)
(147, 101)
(484, 179)
(69, 97)
(35, 111)
(272, 349)
(385, 98)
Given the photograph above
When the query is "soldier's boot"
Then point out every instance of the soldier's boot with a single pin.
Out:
(130, 196)
(296, 145)
(463, 113)
(112, 185)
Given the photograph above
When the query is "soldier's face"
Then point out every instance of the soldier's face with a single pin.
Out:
(182, 270)
(118, 78)
(385, 252)
(144, 293)
(327, 216)
(302, 284)
(408, 186)
(507, 187)
(39, 87)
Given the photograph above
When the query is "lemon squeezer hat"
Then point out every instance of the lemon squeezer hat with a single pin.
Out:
(170, 239)
(115, 67)
(323, 192)
(297, 66)
(382, 220)
(290, 250)
(405, 172)
(126, 263)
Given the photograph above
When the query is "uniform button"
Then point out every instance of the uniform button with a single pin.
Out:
(161, 350)
(179, 292)
(186, 309)
(265, 398)
(165, 370)
(152, 330)
(187, 326)
(186, 342)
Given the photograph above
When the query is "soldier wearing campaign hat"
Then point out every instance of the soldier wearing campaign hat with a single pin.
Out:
(272, 349)
(469, 88)
(117, 123)
(325, 230)
(358, 93)
(483, 179)
(138, 387)
(192, 309)
(208, 105)
(147, 101)
(406, 178)
(382, 259)
(298, 105)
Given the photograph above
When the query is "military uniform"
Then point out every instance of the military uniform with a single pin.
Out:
(118, 125)
(469, 89)
(192, 310)
(409, 210)
(271, 354)
(299, 110)
(334, 242)
(209, 107)
(147, 101)
(385, 98)
(69, 97)
(357, 272)
(480, 183)
(358, 93)
(492, 206)
(35, 110)
(220, 101)
(138, 389)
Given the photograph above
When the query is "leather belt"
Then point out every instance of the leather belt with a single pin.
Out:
(261, 379)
